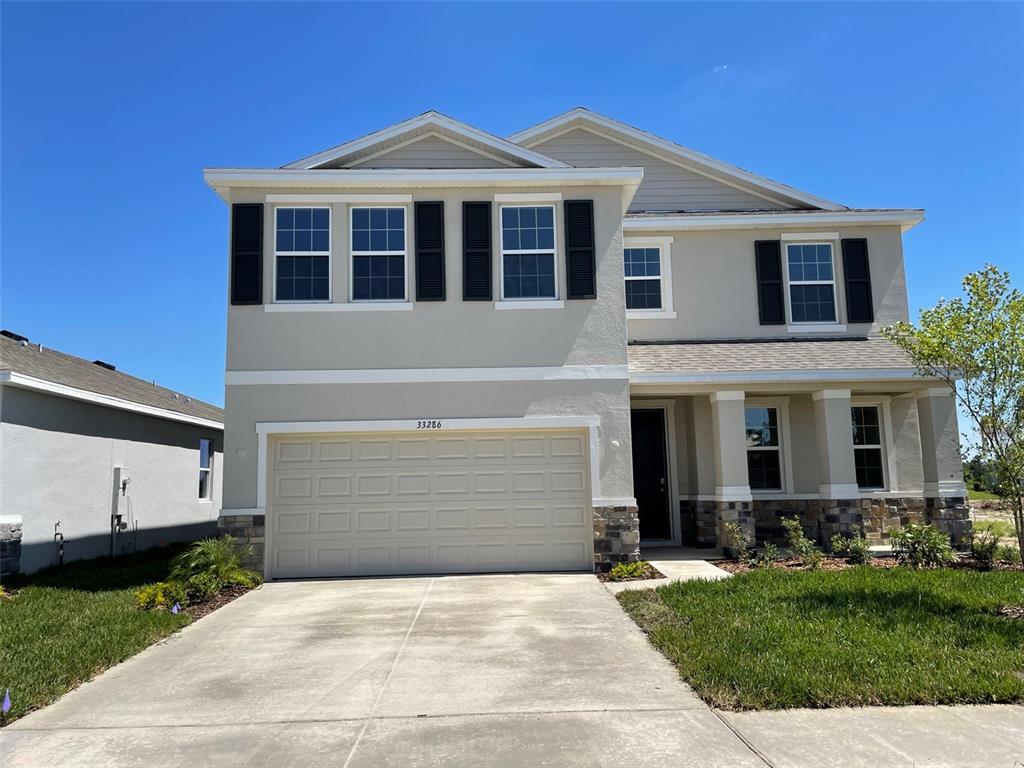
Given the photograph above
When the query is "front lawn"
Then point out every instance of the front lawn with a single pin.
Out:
(65, 625)
(772, 639)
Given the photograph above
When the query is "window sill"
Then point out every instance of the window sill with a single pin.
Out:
(530, 304)
(657, 314)
(816, 328)
(351, 306)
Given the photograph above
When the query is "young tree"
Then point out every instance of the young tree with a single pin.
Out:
(975, 343)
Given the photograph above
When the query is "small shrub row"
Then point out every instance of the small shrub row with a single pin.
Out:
(199, 573)
(921, 546)
(629, 571)
(854, 548)
(802, 547)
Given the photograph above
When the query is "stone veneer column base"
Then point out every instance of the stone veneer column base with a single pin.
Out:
(616, 536)
(10, 545)
(739, 512)
(247, 529)
(844, 516)
(952, 516)
(697, 523)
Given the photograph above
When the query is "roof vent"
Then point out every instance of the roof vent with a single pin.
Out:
(102, 364)
(13, 335)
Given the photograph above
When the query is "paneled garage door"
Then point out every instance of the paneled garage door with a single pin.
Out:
(375, 504)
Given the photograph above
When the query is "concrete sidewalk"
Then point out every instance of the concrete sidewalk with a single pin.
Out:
(677, 564)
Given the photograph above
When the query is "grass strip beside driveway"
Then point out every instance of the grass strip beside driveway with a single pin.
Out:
(772, 640)
(65, 625)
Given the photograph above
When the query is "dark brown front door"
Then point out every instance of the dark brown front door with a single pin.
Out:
(650, 473)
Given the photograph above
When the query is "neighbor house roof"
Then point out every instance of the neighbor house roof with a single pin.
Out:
(757, 360)
(33, 366)
(670, 220)
(417, 127)
(580, 117)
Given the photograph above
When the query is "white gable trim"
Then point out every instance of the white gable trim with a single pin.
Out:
(23, 381)
(432, 119)
(683, 156)
(435, 135)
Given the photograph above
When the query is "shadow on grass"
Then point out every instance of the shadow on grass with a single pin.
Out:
(103, 574)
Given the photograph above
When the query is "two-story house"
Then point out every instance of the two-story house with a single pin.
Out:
(453, 352)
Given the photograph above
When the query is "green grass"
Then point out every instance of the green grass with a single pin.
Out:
(773, 640)
(981, 495)
(65, 625)
(1001, 529)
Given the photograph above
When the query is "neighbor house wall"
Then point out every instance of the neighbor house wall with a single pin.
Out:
(57, 460)
(714, 283)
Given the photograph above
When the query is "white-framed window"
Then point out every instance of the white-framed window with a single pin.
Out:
(529, 269)
(205, 469)
(764, 448)
(647, 264)
(810, 268)
(379, 255)
(868, 446)
(302, 254)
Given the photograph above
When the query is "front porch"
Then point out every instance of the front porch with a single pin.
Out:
(841, 456)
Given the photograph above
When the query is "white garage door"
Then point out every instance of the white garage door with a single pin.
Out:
(410, 503)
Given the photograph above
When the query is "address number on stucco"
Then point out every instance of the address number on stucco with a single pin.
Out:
(428, 424)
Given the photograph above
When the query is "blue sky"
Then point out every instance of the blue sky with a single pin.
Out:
(113, 248)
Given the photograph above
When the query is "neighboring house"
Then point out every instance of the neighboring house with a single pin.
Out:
(449, 351)
(95, 462)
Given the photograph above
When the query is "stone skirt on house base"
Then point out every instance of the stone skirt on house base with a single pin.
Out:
(876, 518)
(247, 530)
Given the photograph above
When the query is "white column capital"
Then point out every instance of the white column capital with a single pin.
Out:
(933, 392)
(727, 394)
(831, 394)
(946, 489)
(839, 491)
(733, 493)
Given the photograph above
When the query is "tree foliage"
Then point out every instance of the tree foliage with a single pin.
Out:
(975, 343)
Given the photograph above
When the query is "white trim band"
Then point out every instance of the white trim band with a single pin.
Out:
(15, 379)
(365, 198)
(350, 306)
(428, 375)
(528, 197)
(763, 377)
(840, 491)
(733, 493)
(946, 489)
(906, 218)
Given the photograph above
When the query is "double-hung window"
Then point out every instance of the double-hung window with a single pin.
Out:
(812, 283)
(205, 469)
(528, 252)
(867, 446)
(378, 254)
(764, 460)
(302, 254)
(643, 277)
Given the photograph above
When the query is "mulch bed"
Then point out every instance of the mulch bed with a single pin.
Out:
(219, 600)
(649, 572)
(841, 564)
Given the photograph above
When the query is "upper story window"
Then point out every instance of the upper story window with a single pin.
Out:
(205, 468)
(764, 461)
(648, 273)
(528, 252)
(812, 284)
(302, 254)
(867, 446)
(378, 254)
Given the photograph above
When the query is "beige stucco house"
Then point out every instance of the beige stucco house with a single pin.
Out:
(454, 352)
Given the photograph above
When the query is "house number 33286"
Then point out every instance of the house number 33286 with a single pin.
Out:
(428, 424)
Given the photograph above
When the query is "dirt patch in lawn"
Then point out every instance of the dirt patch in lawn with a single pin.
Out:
(219, 600)
(646, 573)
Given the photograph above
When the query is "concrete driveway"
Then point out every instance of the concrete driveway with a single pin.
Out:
(457, 671)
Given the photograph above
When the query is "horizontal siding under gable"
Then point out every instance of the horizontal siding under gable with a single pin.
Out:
(430, 152)
(666, 187)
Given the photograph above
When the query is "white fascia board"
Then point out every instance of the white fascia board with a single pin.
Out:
(223, 179)
(780, 376)
(905, 217)
(586, 117)
(428, 119)
(427, 375)
(22, 381)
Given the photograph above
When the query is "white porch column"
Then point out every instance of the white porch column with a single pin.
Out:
(729, 433)
(837, 473)
(940, 444)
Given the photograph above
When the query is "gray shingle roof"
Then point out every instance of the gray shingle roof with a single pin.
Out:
(712, 357)
(71, 371)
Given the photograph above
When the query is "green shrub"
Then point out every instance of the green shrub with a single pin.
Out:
(1008, 553)
(854, 548)
(769, 554)
(628, 571)
(216, 561)
(201, 587)
(802, 547)
(984, 546)
(921, 546)
(161, 596)
(737, 540)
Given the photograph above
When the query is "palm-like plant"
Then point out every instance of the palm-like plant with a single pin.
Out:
(220, 559)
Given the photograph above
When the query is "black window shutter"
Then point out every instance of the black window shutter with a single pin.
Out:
(430, 251)
(580, 262)
(247, 253)
(476, 251)
(859, 303)
(768, 262)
